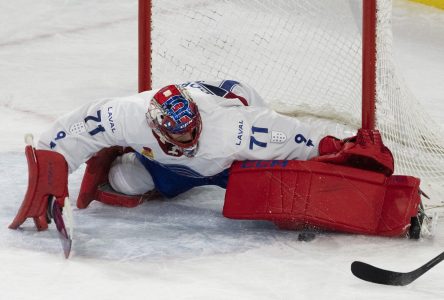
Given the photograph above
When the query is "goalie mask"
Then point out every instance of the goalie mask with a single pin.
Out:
(174, 116)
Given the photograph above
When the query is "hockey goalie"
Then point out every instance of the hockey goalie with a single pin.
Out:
(163, 142)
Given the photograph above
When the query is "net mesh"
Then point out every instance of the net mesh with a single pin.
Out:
(304, 58)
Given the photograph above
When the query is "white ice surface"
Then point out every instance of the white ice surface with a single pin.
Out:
(56, 55)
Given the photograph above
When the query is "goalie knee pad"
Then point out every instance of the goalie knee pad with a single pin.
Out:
(128, 176)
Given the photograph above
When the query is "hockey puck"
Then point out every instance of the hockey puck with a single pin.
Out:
(306, 236)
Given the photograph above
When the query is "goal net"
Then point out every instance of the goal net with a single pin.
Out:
(303, 56)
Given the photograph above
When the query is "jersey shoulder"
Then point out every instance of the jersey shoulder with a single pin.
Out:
(224, 92)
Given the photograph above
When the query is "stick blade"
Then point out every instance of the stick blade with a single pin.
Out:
(64, 228)
(376, 275)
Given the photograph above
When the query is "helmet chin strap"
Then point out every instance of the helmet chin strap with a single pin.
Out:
(191, 151)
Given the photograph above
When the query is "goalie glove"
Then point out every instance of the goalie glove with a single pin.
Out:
(363, 151)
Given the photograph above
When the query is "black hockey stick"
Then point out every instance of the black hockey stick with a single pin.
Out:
(376, 275)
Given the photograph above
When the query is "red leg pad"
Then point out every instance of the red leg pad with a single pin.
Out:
(47, 176)
(96, 173)
(107, 195)
(295, 194)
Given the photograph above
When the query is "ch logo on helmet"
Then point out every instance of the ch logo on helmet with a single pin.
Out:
(178, 109)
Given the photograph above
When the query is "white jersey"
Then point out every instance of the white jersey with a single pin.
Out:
(236, 125)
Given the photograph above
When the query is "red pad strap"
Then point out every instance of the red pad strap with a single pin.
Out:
(294, 194)
(107, 195)
(47, 175)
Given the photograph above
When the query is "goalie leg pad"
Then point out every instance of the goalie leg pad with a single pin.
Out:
(295, 194)
(47, 176)
(107, 195)
(96, 173)
(115, 167)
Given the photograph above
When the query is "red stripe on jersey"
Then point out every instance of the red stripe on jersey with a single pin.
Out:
(231, 95)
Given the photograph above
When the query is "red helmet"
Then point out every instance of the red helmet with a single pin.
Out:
(174, 116)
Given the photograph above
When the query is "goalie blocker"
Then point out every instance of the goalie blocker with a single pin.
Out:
(47, 178)
(328, 194)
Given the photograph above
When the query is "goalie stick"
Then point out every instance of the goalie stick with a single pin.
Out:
(63, 220)
(373, 274)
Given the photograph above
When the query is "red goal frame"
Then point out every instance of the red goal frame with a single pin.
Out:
(368, 56)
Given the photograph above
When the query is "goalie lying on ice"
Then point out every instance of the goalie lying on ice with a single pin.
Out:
(169, 140)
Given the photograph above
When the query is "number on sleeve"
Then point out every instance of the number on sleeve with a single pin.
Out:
(253, 140)
(97, 119)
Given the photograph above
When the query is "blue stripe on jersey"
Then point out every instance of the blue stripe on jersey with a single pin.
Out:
(215, 90)
(184, 171)
(222, 90)
(228, 85)
(202, 86)
(172, 180)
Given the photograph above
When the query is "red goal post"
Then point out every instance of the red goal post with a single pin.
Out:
(368, 64)
(144, 21)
